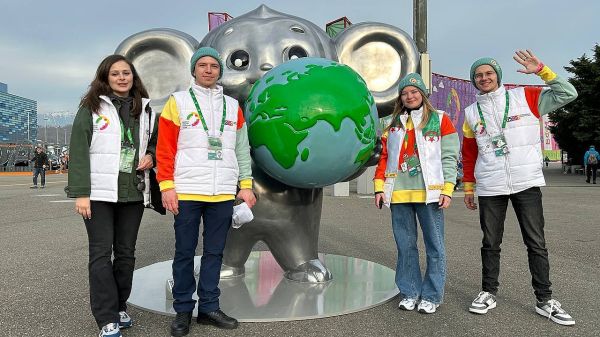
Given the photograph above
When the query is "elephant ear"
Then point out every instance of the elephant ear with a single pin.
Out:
(382, 54)
(162, 59)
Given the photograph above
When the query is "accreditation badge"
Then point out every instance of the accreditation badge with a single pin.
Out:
(126, 159)
(215, 155)
(414, 166)
(215, 144)
(499, 145)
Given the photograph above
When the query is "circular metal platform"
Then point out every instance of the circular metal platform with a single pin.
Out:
(264, 295)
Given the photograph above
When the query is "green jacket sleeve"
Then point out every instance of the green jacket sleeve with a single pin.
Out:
(79, 184)
(559, 94)
(242, 153)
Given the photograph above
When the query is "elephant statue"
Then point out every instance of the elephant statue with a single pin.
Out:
(287, 218)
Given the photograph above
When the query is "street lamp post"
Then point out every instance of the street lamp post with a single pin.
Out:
(46, 130)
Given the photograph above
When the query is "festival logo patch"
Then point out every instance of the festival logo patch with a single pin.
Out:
(102, 122)
(515, 117)
(193, 118)
(229, 123)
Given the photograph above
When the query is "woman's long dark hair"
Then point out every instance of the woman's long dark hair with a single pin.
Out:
(100, 86)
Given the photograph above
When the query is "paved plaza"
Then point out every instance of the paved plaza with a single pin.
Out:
(44, 286)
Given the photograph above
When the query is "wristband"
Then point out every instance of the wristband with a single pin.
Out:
(539, 68)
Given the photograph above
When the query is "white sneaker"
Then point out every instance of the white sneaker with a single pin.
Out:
(426, 307)
(125, 320)
(408, 304)
(484, 302)
(110, 330)
(553, 311)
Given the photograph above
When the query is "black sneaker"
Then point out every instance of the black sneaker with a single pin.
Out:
(181, 324)
(218, 319)
(552, 309)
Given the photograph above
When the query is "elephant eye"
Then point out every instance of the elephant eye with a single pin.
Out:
(296, 52)
(239, 60)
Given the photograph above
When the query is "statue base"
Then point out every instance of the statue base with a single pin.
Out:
(263, 294)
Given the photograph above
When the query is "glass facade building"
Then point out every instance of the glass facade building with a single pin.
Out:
(18, 118)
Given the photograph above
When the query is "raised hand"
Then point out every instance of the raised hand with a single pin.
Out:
(530, 62)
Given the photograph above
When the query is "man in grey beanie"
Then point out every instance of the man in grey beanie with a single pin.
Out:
(502, 154)
(203, 157)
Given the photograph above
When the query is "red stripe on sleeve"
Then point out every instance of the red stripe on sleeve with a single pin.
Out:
(533, 96)
(447, 127)
(240, 118)
(166, 148)
(469, 157)
(382, 164)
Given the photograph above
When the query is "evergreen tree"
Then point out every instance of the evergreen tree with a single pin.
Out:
(577, 125)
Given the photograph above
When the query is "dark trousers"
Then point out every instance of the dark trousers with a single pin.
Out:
(590, 172)
(112, 231)
(528, 208)
(41, 171)
(216, 217)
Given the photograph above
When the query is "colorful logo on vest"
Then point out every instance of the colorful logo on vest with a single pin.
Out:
(102, 121)
(193, 118)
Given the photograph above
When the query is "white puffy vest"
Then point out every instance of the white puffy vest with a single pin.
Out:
(194, 173)
(521, 168)
(105, 150)
(430, 155)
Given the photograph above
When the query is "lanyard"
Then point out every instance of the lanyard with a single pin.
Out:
(129, 136)
(505, 113)
(202, 117)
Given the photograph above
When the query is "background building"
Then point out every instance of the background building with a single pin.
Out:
(18, 118)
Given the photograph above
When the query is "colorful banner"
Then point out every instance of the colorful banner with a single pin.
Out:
(216, 19)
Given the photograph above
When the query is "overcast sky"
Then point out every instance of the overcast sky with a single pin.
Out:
(49, 50)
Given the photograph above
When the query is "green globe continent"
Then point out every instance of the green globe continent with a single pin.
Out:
(311, 122)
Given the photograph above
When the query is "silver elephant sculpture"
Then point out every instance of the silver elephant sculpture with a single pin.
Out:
(287, 218)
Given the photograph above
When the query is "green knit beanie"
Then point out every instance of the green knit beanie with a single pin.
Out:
(489, 61)
(415, 80)
(206, 51)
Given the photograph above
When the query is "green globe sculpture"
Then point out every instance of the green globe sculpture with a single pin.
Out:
(312, 122)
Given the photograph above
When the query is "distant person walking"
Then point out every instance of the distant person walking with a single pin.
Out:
(590, 160)
(40, 162)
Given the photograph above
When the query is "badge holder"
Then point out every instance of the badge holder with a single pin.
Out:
(500, 146)
(215, 148)
(126, 159)
(413, 165)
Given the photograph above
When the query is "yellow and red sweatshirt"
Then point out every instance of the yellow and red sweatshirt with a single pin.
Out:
(521, 167)
(182, 150)
(411, 189)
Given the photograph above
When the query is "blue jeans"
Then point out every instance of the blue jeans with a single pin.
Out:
(408, 272)
(216, 218)
(41, 171)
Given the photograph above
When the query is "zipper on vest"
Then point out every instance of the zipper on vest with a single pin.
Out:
(212, 124)
(505, 157)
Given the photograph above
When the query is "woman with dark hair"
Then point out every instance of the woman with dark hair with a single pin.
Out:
(415, 177)
(112, 148)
